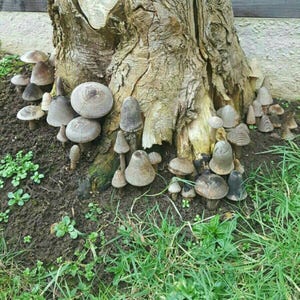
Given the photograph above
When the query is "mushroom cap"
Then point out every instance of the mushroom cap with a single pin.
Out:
(34, 56)
(131, 116)
(264, 96)
(154, 157)
(239, 136)
(42, 74)
(32, 93)
(174, 187)
(121, 146)
(60, 112)
(74, 154)
(181, 166)
(20, 79)
(211, 186)
(188, 192)
(222, 158)
(215, 122)
(236, 191)
(82, 130)
(92, 100)
(229, 116)
(30, 112)
(265, 124)
(250, 120)
(139, 171)
(118, 181)
(276, 109)
(257, 108)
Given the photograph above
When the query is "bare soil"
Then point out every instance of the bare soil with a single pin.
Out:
(63, 192)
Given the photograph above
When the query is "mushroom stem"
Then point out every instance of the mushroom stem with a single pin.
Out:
(32, 124)
(122, 162)
(212, 204)
(237, 151)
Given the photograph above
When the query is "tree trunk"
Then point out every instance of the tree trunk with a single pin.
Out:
(180, 59)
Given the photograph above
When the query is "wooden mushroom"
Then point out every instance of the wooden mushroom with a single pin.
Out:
(74, 156)
(121, 147)
(30, 113)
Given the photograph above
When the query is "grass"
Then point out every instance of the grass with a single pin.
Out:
(252, 255)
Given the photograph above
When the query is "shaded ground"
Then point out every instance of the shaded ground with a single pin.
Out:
(58, 193)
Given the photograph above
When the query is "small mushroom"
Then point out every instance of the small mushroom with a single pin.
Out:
(265, 124)
(212, 188)
(276, 109)
(181, 166)
(229, 116)
(174, 188)
(287, 134)
(121, 147)
(265, 98)
(222, 158)
(92, 100)
(202, 163)
(33, 57)
(61, 136)
(215, 123)
(81, 130)
(188, 192)
(251, 116)
(30, 113)
(155, 158)
(42, 74)
(258, 111)
(237, 190)
(131, 120)
(46, 100)
(74, 156)
(139, 171)
(20, 81)
(118, 181)
(290, 121)
(32, 93)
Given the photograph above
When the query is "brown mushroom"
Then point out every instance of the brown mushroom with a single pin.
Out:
(61, 136)
(46, 100)
(276, 109)
(42, 74)
(155, 158)
(174, 188)
(265, 98)
(181, 167)
(251, 116)
(34, 56)
(139, 171)
(32, 93)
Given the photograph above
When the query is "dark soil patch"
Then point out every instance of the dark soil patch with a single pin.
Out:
(58, 193)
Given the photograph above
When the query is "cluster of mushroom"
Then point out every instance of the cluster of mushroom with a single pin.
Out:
(262, 112)
(32, 88)
(141, 167)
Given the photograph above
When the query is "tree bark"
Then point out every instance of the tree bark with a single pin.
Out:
(180, 59)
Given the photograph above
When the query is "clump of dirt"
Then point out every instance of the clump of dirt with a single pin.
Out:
(64, 192)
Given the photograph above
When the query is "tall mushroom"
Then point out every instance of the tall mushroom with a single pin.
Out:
(121, 147)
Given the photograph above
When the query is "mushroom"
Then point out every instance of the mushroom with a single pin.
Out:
(215, 123)
(237, 190)
(181, 166)
(32, 93)
(188, 192)
(239, 137)
(118, 181)
(287, 134)
(290, 121)
(92, 100)
(81, 130)
(258, 111)
(42, 74)
(60, 112)
(229, 116)
(30, 113)
(46, 100)
(276, 109)
(20, 81)
(155, 158)
(121, 147)
(265, 98)
(256, 75)
(250, 120)
(222, 158)
(174, 188)
(212, 188)
(74, 156)
(131, 120)
(61, 136)
(139, 171)
(265, 124)
(33, 57)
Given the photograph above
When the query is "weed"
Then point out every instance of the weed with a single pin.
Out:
(10, 64)
(94, 212)
(66, 225)
(4, 216)
(185, 203)
(18, 197)
(36, 177)
(27, 239)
